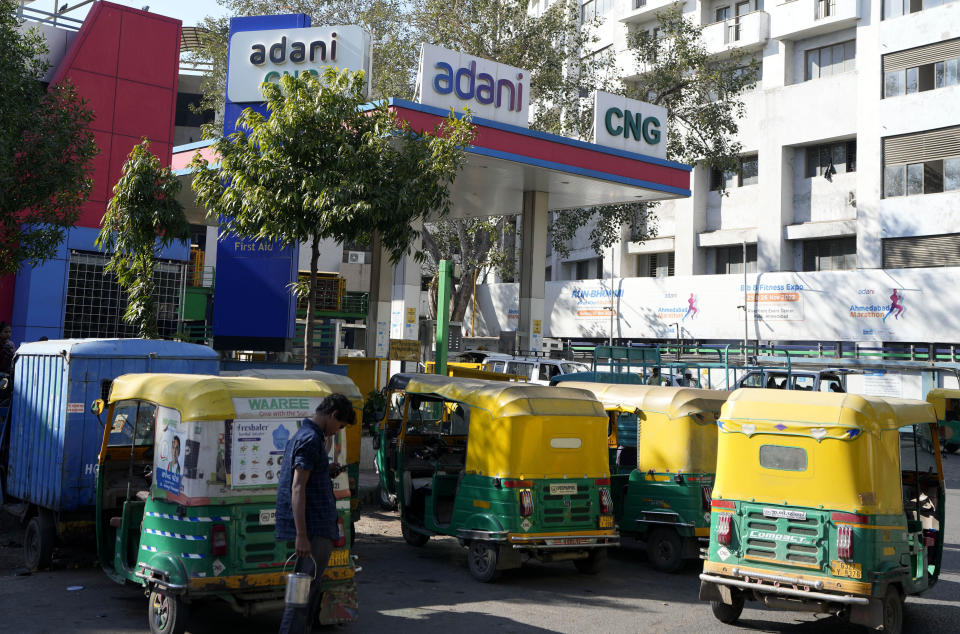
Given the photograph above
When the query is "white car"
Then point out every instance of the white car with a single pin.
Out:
(535, 369)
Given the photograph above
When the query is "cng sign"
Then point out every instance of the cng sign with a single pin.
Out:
(256, 57)
(628, 124)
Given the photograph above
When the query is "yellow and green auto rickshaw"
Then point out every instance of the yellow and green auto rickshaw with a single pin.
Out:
(665, 500)
(514, 471)
(825, 502)
(947, 404)
(187, 488)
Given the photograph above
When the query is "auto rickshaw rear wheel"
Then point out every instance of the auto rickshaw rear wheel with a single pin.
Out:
(665, 549)
(893, 611)
(592, 564)
(413, 537)
(38, 539)
(166, 613)
(482, 559)
(726, 612)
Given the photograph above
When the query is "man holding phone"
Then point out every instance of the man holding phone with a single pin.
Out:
(306, 508)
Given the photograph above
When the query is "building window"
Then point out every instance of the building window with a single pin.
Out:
(896, 8)
(583, 270)
(185, 114)
(656, 265)
(922, 163)
(548, 274)
(825, 9)
(835, 254)
(747, 174)
(830, 60)
(592, 8)
(921, 69)
(599, 269)
(730, 259)
(922, 251)
(831, 158)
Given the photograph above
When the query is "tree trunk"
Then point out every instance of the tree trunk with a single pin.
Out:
(311, 306)
(464, 294)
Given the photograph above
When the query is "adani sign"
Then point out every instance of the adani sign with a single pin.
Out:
(448, 79)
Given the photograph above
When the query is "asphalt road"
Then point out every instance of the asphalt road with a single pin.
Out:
(429, 589)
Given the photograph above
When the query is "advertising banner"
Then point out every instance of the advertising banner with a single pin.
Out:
(859, 305)
(630, 125)
(169, 452)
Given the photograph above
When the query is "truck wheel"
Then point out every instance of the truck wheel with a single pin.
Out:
(665, 549)
(592, 564)
(387, 502)
(727, 613)
(413, 537)
(482, 559)
(167, 613)
(893, 611)
(38, 540)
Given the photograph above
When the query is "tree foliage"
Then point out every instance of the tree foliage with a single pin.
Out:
(46, 148)
(702, 96)
(143, 217)
(323, 165)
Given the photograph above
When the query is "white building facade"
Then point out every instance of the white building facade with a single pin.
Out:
(847, 202)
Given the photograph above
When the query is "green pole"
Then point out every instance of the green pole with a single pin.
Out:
(443, 316)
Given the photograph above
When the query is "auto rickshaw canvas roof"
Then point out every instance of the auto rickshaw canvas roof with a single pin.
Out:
(200, 397)
(938, 398)
(336, 382)
(674, 402)
(502, 399)
(818, 414)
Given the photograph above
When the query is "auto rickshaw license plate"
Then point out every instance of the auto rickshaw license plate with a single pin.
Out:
(268, 517)
(606, 521)
(568, 541)
(563, 489)
(843, 569)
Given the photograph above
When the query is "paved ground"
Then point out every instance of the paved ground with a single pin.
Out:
(429, 589)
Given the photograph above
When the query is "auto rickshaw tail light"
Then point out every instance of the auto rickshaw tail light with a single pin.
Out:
(853, 518)
(218, 540)
(723, 504)
(341, 540)
(526, 503)
(845, 543)
(517, 484)
(724, 527)
(606, 502)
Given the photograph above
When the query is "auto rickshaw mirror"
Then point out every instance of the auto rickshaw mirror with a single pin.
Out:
(97, 407)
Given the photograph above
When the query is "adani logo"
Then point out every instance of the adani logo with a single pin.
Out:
(490, 90)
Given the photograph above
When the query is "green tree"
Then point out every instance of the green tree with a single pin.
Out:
(703, 98)
(46, 148)
(142, 218)
(323, 165)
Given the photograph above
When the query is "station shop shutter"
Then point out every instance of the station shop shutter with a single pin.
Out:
(921, 251)
(929, 54)
(95, 302)
(921, 146)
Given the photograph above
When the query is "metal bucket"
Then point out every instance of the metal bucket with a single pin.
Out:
(298, 584)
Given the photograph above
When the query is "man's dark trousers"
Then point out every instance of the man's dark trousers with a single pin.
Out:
(301, 620)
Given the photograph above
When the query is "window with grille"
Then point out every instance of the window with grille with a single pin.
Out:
(922, 68)
(922, 163)
(95, 303)
(656, 265)
(747, 173)
(835, 158)
(834, 254)
(730, 259)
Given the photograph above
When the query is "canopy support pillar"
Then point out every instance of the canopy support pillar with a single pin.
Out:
(533, 262)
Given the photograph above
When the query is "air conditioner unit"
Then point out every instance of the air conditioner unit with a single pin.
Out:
(355, 257)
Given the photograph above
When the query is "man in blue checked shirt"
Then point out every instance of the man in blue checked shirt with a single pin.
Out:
(306, 508)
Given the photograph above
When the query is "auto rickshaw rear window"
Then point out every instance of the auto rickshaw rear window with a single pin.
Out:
(783, 458)
(132, 423)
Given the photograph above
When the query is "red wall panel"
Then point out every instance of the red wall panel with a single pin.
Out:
(143, 111)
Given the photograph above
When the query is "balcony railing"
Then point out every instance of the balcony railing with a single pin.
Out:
(798, 19)
(825, 9)
(750, 30)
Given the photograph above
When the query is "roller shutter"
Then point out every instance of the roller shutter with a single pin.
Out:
(922, 146)
(929, 54)
(921, 252)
